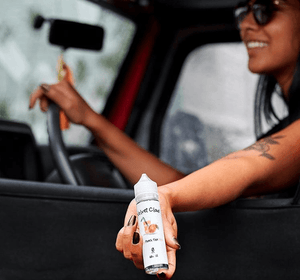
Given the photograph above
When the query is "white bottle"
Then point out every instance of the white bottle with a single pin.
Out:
(150, 224)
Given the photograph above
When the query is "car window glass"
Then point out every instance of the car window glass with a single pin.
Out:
(27, 59)
(212, 109)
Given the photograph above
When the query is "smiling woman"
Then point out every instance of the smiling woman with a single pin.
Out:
(27, 59)
(268, 166)
(274, 49)
(270, 31)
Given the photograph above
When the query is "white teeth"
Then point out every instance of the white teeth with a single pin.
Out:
(252, 45)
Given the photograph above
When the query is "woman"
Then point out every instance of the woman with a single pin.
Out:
(272, 164)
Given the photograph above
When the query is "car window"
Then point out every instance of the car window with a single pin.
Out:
(27, 59)
(212, 109)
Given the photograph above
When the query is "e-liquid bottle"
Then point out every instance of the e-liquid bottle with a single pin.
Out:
(150, 224)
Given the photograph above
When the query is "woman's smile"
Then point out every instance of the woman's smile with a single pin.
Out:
(255, 44)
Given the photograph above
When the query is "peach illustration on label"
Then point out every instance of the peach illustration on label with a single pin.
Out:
(149, 228)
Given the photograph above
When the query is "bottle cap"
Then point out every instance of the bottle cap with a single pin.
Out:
(145, 185)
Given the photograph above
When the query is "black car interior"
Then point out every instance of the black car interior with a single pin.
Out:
(20, 158)
(54, 231)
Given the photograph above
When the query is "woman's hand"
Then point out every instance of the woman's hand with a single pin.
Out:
(129, 241)
(67, 98)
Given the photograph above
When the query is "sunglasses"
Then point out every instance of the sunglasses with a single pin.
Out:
(262, 11)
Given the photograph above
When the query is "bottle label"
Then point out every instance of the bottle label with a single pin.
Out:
(151, 228)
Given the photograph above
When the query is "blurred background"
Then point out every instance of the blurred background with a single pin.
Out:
(27, 59)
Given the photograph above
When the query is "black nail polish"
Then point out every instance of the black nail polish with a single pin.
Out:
(177, 243)
(162, 275)
(131, 221)
(136, 238)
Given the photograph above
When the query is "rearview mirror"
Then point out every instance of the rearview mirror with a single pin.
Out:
(70, 34)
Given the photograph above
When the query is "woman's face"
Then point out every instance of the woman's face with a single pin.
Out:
(274, 48)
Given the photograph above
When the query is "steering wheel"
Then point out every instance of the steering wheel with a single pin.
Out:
(90, 169)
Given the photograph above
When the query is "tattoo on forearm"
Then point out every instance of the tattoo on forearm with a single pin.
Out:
(264, 146)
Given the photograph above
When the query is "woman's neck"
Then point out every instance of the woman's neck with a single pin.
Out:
(285, 79)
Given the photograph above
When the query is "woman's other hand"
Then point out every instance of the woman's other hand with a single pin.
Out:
(129, 242)
(67, 98)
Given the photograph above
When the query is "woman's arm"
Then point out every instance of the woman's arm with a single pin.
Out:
(128, 156)
(123, 152)
(270, 165)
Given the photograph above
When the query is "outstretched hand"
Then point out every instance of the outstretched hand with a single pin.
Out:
(129, 242)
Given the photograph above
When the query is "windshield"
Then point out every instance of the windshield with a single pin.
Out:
(27, 59)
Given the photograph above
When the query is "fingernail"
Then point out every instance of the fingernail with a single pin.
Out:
(45, 87)
(136, 238)
(131, 221)
(177, 243)
(161, 275)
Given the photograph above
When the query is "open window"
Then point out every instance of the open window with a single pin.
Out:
(212, 106)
